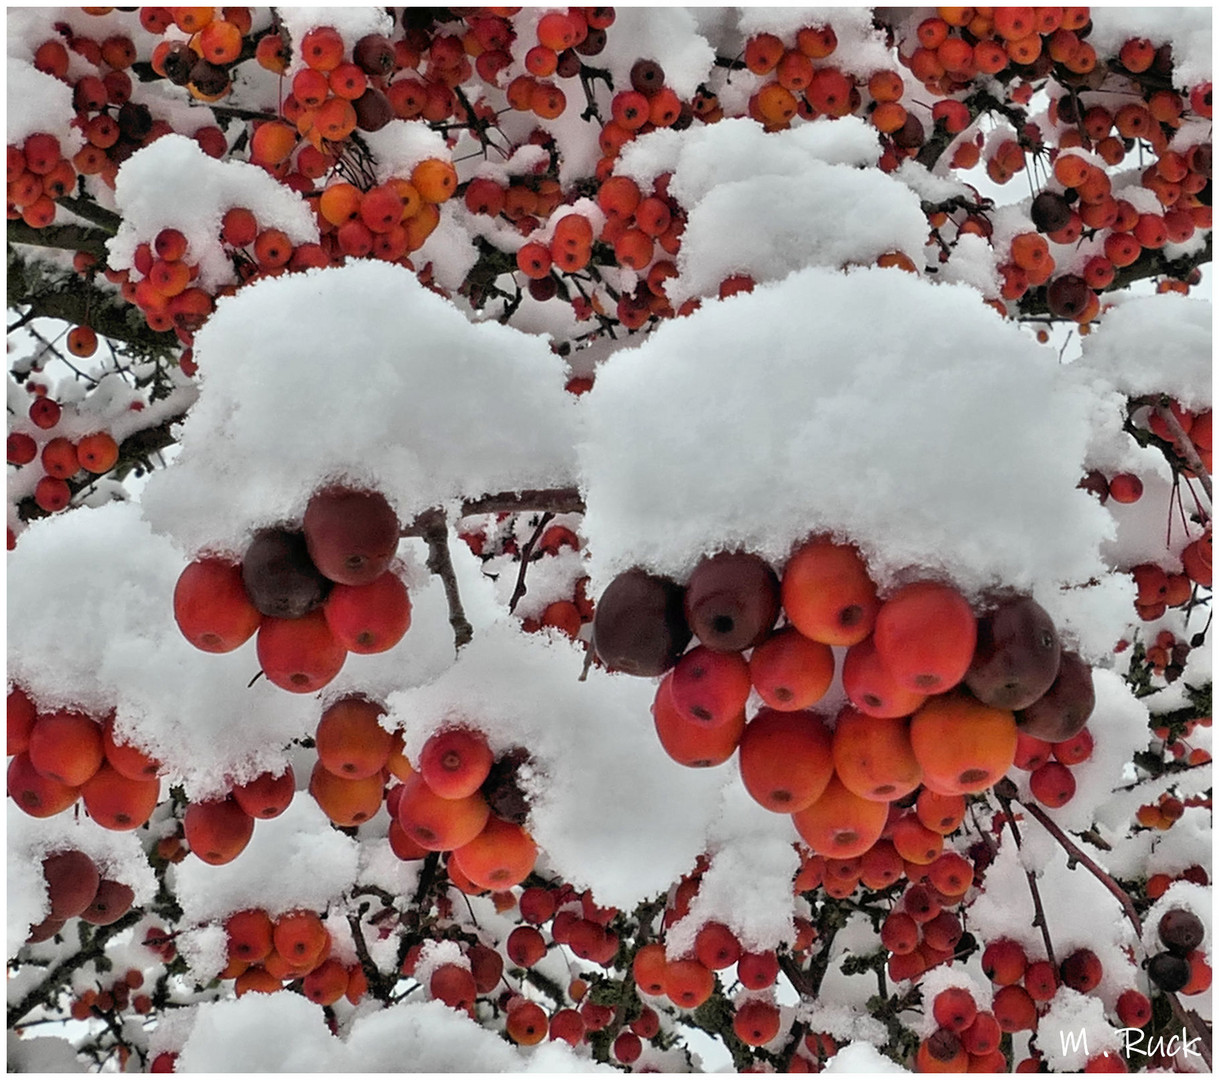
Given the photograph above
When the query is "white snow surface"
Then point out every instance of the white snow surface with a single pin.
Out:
(861, 1057)
(447, 408)
(599, 780)
(172, 183)
(757, 421)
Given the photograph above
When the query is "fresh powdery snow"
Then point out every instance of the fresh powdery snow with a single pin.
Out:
(434, 407)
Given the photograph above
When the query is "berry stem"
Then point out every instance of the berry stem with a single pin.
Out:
(1039, 918)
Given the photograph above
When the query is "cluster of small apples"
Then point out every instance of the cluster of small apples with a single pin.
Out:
(161, 286)
(312, 594)
(1176, 744)
(1182, 967)
(76, 888)
(61, 458)
(920, 931)
(463, 801)
(59, 756)
(1048, 764)
(202, 63)
(1124, 488)
(1158, 884)
(265, 955)
(937, 695)
(1162, 814)
(112, 995)
(1195, 426)
(966, 1038)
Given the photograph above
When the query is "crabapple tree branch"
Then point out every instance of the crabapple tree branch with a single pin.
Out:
(435, 531)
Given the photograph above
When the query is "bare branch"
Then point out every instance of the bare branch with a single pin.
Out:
(435, 532)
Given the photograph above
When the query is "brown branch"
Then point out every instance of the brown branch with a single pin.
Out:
(1039, 918)
(57, 978)
(377, 983)
(556, 500)
(1186, 448)
(435, 532)
(526, 555)
(65, 237)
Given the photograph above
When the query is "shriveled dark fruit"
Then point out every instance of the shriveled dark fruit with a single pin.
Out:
(732, 600)
(910, 136)
(647, 77)
(569, 64)
(209, 78)
(374, 54)
(135, 120)
(1168, 971)
(943, 1045)
(502, 789)
(352, 535)
(279, 577)
(1017, 655)
(1050, 212)
(1181, 931)
(1067, 296)
(178, 63)
(1063, 710)
(373, 110)
(639, 626)
(593, 43)
(72, 881)
(112, 902)
(45, 930)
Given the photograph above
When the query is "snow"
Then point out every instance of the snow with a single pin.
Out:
(432, 402)
(885, 408)
(173, 184)
(596, 777)
(767, 377)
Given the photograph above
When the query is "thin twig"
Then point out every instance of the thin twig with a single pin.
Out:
(1186, 448)
(377, 983)
(435, 531)
(526, 554)
(1039, 918)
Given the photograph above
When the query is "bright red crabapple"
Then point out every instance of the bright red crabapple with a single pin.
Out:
(436, 823)
(827, 593)
(716, 946)
(349, 739)
(954, 1008)
(759, 970)
(925, 635)
(687, 983)
(786, 759)
(983, 1035)
(791, 672)
(455, 762)
(21, 716)
(249, 935)
(1076, 749)
(688, 741)
(66, 746)
(369, 618)
(1125, 488)
(1014, 1009)
(1081, 970)
(37, 795)
(756, 1021)
(118, 802)
(454, 985)
(266, 796)
(351, 535)
(299, 655)
(1052, 784)
(1041, 980)
(212, 608)
(870, 686)
(709, 687)
(217, 830)
(500, 856)
(1004, 962)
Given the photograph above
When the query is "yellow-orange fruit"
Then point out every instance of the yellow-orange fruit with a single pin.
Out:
(963, 746)
(841, 825)
(873, 757)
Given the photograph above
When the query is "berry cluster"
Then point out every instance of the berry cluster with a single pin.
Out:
(1049, 765)
(76, 888)
(265, 954)
(311, 594)
(937, 696)
(1182, 967)
(63, 755)
(966, 1038)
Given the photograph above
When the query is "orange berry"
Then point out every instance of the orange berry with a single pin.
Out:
(840, 824)
(827, 593)
(873, 756)
(925, 635)
(786, 759)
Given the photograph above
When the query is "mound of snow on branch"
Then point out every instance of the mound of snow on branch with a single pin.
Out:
(600, 783)
(433, 407)
(760, 420)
